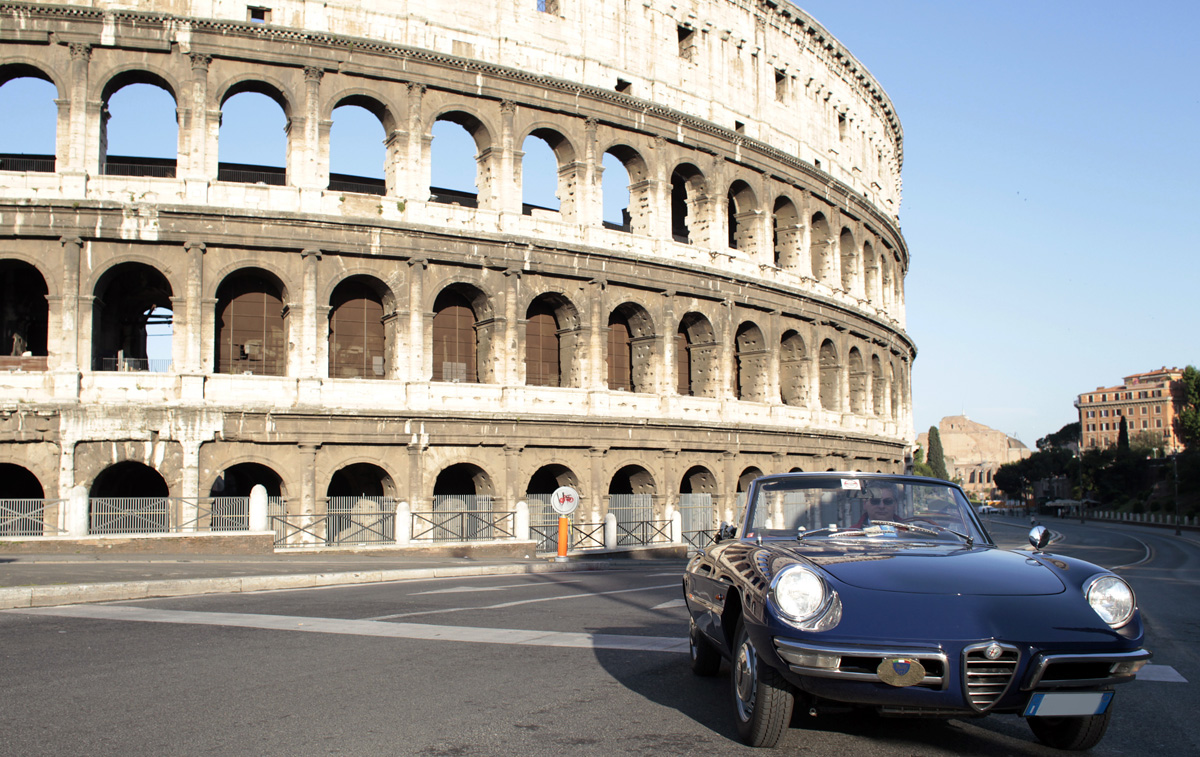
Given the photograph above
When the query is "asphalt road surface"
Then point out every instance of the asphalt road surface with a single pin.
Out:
(561, 664)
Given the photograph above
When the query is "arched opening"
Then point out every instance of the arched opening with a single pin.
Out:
(455, 338)
(615, 190)
(357, 154)
(697, 506)
(357, 337)
(539, 172)
(871, 273)
(848, 251)
(238, 481)
(24, 317)
(128, 498)
(630, 349)
(27, 143)
(543, 519)
(829, 378)
(631, 501)
(878, 387)
(820, 246)
(793, 370)
(688, 221)
(454, 154)
(462, 506)
(750, 363)
(22, 502)
(858, 382)
(139, 129)
(251, 334)
(742, 210)
(359, 506)
(131, 300)
(543, 350)
(697, 372)
(252, 145)
(786, 233)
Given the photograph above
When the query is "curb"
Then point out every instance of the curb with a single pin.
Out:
(47, 596)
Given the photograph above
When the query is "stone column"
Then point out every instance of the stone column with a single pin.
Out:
(512, 488)
(598, 496)
(67, 348)
(589, 192)
(193, 315)
(669, 385)
(309, 331)
(419, 366)
(657, 193)
(308, 490)
(503, 167)
(194, 125)
(510, 351)
(596, 377)
(75, 159)
(418, 171)
(726, 333)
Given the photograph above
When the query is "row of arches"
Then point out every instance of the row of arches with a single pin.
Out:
(691, 355)
(451, 149)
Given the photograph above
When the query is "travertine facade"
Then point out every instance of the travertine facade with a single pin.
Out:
(974, 452)
(340, 338)
(1149, 402)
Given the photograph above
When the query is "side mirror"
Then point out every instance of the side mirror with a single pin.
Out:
(725, 531)
(1039, 537)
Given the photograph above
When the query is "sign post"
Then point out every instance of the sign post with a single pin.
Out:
(564, 500)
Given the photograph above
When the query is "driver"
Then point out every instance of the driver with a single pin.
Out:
(881, 502)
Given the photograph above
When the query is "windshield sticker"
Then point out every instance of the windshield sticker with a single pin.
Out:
(851, 484)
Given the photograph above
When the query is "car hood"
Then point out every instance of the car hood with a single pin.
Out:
(952, 570)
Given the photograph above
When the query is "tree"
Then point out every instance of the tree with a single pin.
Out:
(920, 467)
(1187, 422)
(1064, 437)
(937, 458)
(1123, 437)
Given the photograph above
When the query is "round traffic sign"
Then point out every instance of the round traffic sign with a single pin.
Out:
(564, 500)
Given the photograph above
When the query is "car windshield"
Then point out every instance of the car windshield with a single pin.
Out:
(850, 507)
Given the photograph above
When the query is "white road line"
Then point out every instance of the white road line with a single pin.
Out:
(369, 628)
(1166, 673)
(670, 605)
(1149, 555)
(515, 603)
(473, 589)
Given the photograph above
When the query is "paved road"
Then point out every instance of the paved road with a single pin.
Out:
(566, 663)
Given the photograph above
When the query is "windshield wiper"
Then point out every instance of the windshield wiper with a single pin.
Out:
(924, 530)
(833, 531)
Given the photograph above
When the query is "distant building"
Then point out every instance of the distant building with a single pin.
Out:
(974, 452)
(1147, 401)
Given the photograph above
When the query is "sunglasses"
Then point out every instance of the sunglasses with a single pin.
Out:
(884, 500)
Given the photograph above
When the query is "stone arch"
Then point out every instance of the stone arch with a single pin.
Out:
(255, 81)
(698, 479)
(820, 247)
(787, 233)
(237, 479)
(553, 341)
(751, 363)
(40, 114)
(830, 377)
(20, 67)
(549, 477)
(130, 478)
(18, 482)
(697, 357)
(138, 165)
(848, 252)
(128, 297)
(859, 391)
(361, 479)
(793, 369)
(256, 173)
(632, 479)
(636, 215)
(25, 513)
(630, 352)
(462, 333)
(879, 389)
(346, 181)
(746, 476)
(742, 216)
(251, 330)
(24, 312)
(359, 346)
(690, 211)
(481, 134)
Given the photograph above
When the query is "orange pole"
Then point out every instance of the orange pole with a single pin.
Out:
(563, 535)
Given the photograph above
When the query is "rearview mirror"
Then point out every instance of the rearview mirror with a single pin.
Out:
(725, 531)
(1039, 537)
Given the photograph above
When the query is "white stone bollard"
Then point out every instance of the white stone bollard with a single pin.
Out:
(521, 521)
(677, 528)
(403, 523)
(77, 512)
(259, 520)
(610, 531)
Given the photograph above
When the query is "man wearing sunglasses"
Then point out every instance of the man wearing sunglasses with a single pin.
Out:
(880, 503)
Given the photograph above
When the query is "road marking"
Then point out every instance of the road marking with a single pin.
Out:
(518, 602)
(1166, 673)
(472, 589)
(515, 636)
(670, 605)
(1145, 558)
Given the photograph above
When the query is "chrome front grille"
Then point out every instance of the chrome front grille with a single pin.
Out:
(987, 675)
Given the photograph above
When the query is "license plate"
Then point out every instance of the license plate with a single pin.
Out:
(1067, 704)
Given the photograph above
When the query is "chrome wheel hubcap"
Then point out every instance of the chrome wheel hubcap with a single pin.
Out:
(745, 679)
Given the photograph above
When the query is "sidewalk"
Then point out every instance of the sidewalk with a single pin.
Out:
(30, 580)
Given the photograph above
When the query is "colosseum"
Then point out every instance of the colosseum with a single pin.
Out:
(340, 338)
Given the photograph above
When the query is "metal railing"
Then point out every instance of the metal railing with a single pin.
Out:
(27, 517)
(463, 518)
(360, 520)
(122, 165)
(132, 364)
(21, 162)
(699, 520)
(247, 174)
(359, 184)
(636, 524)
(160, 515)
(587, 536)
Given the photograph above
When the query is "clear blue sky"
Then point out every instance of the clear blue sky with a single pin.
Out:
(1051, 184)
(1051, 192)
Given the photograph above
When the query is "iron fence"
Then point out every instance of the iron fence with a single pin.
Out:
(698, 517)
(128, 515)
(636, 524)
(361, 520)
(586, 536)
(20, 162)
(27, 517)
(134, 364)
(463, 518)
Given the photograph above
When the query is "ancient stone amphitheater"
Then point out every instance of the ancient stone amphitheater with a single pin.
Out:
(337, 336)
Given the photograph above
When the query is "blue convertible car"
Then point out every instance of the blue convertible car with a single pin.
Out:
(887, 592)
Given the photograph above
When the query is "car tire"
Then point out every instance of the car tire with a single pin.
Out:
(762, 699)
(1074, 734)
(706, 660)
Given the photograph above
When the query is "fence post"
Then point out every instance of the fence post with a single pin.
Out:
(610, 531)
(676, 527)
(258, 509)
(521, 522)
(77, 512)
(403, 523)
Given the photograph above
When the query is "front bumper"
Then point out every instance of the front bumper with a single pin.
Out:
(970, 679)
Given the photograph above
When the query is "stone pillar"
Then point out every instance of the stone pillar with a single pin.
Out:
(194, 128)
(74, 159)
(510, 351)
(416, 475)
(306, 339)
(669, 381)
(726, 333)
(504, 191)
(67, 348)
(512, 488)
(419, 366)
(308, 493)
(190, 336)
(598, 494)
(78, 521)
(589, 191)
(596, 376)
(657, 193)
(419, 160)
(189, 486)
(260, 517)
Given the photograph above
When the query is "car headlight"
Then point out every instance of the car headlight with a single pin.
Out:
(1112, 599)
(804, 599)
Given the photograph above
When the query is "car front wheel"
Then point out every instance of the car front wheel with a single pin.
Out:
(1073, 733)
(762, 699)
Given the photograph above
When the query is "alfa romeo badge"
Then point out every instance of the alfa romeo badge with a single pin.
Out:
(900, 671)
